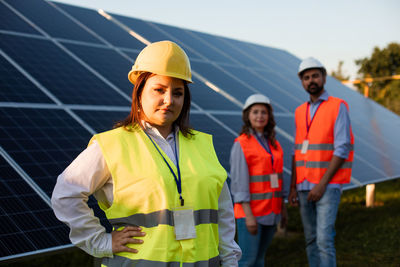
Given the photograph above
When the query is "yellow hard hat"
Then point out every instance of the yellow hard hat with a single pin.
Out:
(163, 58)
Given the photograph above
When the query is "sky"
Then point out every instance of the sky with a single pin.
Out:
(331, 31)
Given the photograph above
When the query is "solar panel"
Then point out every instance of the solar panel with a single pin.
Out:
(11, 79)
(11, 22)
(209, 99)
(109, 31)
(280, 60)
(107, 62)
(221, 138)
(64, 77)
(49, 19)
(41, 141)
(223, 80)
(203, 49)
(263, 84)
(101, 120)
(141, 27)
(150, 32)
(239, 56)
(27, 222)
(68, 80)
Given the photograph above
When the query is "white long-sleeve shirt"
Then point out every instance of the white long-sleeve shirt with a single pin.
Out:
(88, 174)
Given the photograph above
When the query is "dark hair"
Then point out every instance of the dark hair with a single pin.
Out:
(323, 72)
(134, 120)
(269, 131)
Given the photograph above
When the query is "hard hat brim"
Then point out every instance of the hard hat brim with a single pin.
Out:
(134, 74)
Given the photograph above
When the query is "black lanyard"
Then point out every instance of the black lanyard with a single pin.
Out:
(308, 112)
(178, 179)
(268, 150)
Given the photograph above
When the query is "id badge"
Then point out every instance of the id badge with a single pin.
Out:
(274, 180)
(184, 224)
(304, 147)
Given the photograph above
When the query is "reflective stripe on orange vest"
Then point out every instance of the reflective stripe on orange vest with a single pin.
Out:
(263, 198)
(320, 164)
(312, 165)
(263, 178)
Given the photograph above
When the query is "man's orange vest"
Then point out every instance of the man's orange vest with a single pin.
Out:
(263, 198)
(313, 164)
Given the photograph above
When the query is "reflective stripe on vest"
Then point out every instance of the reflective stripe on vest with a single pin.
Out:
(263, 178)
(145, 194)
(321, 164)
(312, 165)
(319, 147)
(163, 217)
(263, 198)
(122, 261)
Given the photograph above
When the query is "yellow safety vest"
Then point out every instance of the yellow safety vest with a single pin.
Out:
(145, 193)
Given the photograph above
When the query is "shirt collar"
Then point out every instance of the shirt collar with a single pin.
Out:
(253, 132)
(154, 132)
(323, 97)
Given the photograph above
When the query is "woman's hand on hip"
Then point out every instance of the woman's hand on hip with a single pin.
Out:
(126, 236)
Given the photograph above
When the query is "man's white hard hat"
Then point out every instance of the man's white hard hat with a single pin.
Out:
(310, 63)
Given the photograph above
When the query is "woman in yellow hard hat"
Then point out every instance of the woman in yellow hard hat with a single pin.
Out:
(158, 181)
(256, 175)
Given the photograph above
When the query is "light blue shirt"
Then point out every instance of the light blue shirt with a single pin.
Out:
(342, 144)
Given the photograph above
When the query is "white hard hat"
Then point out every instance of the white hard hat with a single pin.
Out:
(310, 63)
(163, 58)
(256, 99)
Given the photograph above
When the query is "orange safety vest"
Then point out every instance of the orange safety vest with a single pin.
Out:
(263, 198)
(313, 164)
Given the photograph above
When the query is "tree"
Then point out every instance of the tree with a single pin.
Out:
(338, 74)
(382, 63)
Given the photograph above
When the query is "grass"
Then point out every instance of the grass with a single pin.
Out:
(73, 257)
(365, 236)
